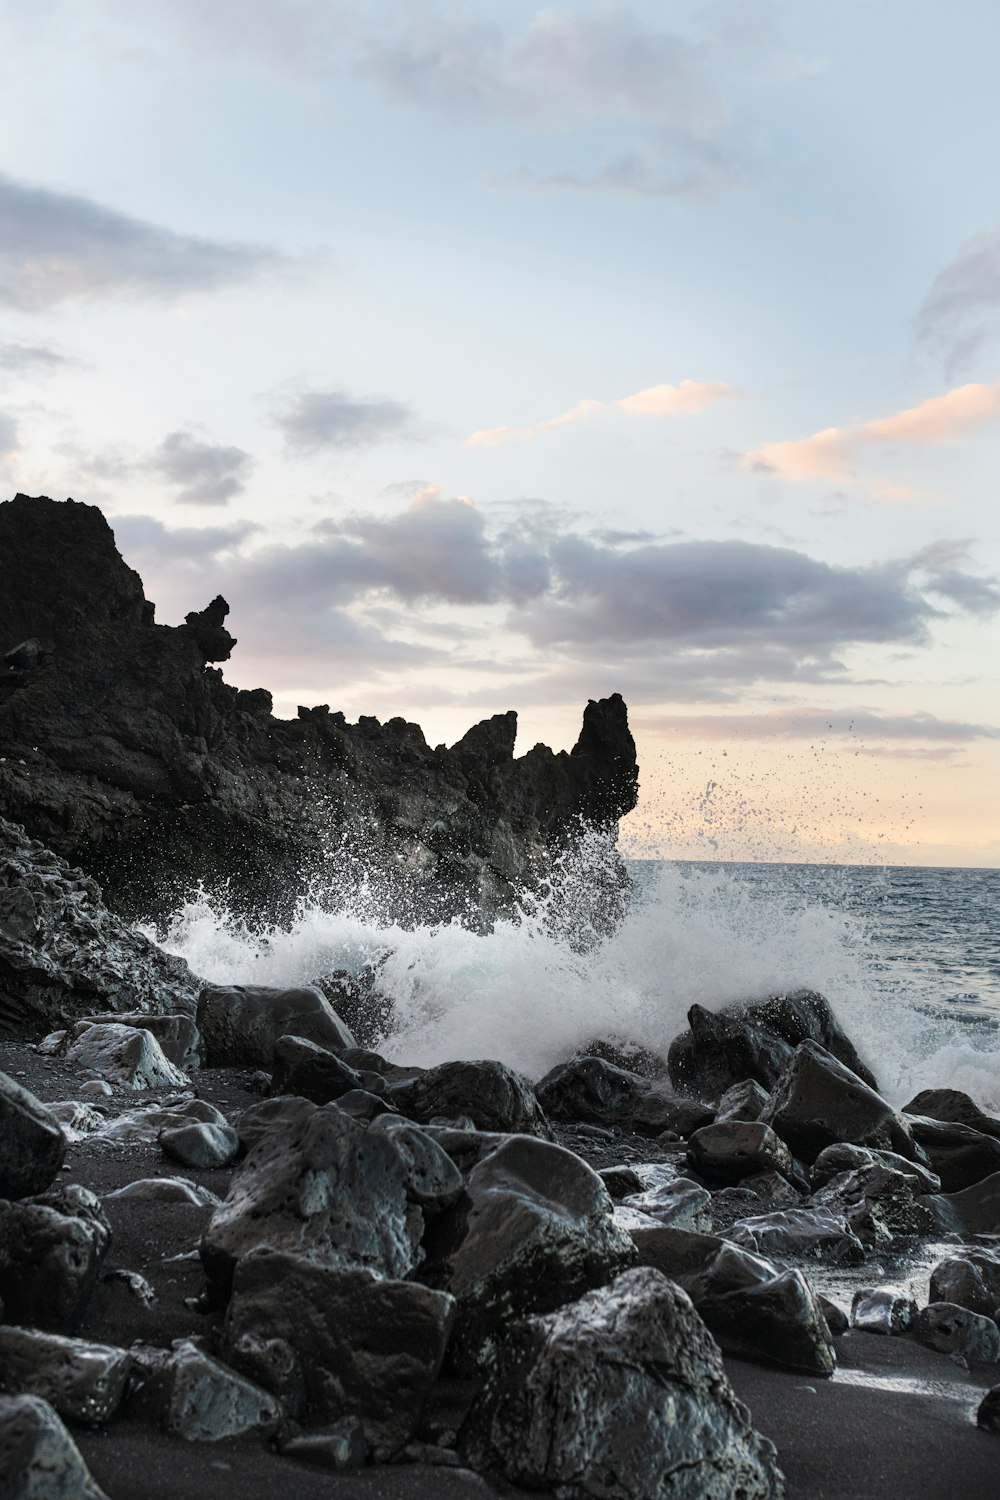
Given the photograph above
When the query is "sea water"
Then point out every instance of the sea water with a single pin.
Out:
(909, 959)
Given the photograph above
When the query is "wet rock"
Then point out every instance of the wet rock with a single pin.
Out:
(198, 1398)
(756, 1041)
(974, 1210)
(82, 1381)
(952, 1104)
(762, 1194)
(340, 1446)
(590, 1089)
(988, 1414)
(878, 1203)
(757, 1312)
(179, 1038)
(837, 1319)
(971, 1280)
(126, 1056)
(492, 1095)
(76, 1119)
(681, 1203)
(802, 1232)
(137, 1127)
(881, 1310)
(620, 1394)
(51, 1250)
(664, 1112)
(32, 1146)
(62, 953)
(433, 1180)
(332, 1344)
(743, 1101)
(958, 1154)
(363, 1106)
(956, 1331)
(681, 1254)
(165, 1190)
(736, 1149)
(241, 1023)
(533, 1229)
(840, 1158)
(201, 1145)
(38, 1458)
(309, 1071)
(818, 1102)
(283, 1112)
(321, 1186)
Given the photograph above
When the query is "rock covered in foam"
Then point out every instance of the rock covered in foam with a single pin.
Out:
(620, 1394)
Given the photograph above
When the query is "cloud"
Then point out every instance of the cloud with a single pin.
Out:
(656, 400)
(9, 441)
(57, 247)
(960, 316)
(820, 724)
(205, 473)
(22, 359)
(144, 539)
(321, 421)
(832, 453)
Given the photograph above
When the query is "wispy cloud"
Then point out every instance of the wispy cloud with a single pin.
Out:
(9, 439)
(655, 401)
(960, 316)
(832, 453)
(205, 473)
(25, 359)
(318, 421)
(58, 247)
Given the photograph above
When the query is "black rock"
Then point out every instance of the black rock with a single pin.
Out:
(681, 1203)
(201, 1145)
(735, 1149)
(743, 1101)
(970, 1280)
(32, 1145)
(590, 1089)
(492, 1095)
(51, 1250)
(956, 1331)
(241, 1024)
(973, 1210)
(777, 1318)
(194, 1396)
(795, 1233)
(879, 1203)
(988, 1414)
(835, 1160)
(310, 1071)
(819, 1102)
(38, 1458)
(82, 1381)
(621, 1394)
(952, 1104)
(958, 1153)
(333, 1344)
(882, 1310)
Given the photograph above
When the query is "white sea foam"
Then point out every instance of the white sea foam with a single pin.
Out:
(542, 985)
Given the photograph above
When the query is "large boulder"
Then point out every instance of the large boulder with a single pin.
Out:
(490, 1094)
(973, 1210)
(534, 1228)
(965, 1335)
(952, 1104)
(879, 1203)
(38, 1458)
(51, 1251)
(758, 1312)
(63, 955)
(194, 1396)
(970, 1280)
(82, 1381)
(818, 1102)
(332, 1344)
(128, 1056)
(600, 1092)
(756, 1041)
(733, 1149)
(620, 1394)
(960, 1154)
(240, 1024)
(800, 1233)
(32, 1145)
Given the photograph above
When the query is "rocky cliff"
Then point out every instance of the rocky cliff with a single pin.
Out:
(123, 749)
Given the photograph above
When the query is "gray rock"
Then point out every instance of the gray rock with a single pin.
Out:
(165, 1190)
(125, 1055)
(840, 1158)
(178, 1035)
(621, 1394)
(533, 1229)
(743, 1101)
(878, 1203)
(201, 1145)
(433, 1179)
(363, 1106)
(286, 1111)
(335, 1344)
(837, 1319)
(76, 1119)
(881, 1310)
(959, 1154)
(38, 1458)
(681, 1254)
(320, 1186)
(796, 1233)
(198, 1398)
(241, 1023)
(681, 1203)
(818, 1102)
(32, 1146)
(954, 1330)
(305, 1069)
(493, 1096)
(971, 1280)
(974, 1210)
(952, 1104)
(82, 1381)
(590, 1089)
(51, 1250)
(620, 1181)
(735, 1149)
(758, 1313)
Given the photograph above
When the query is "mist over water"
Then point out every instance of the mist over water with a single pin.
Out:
(885, 948)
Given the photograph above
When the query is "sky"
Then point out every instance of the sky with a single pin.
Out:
(493, 355)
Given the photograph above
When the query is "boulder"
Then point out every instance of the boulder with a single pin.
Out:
(241, 1023)
(682, 1203)
(200, 1145)
(590, 1089)
(533, 1229)
(756, 1041)
(878, 1203)
(988, 1414)
(818, 1102)
(308, 1071)
(38, 1458)
(82, 1381)
(179, 1038)
(196, 1397)
(882, 1310)
(493, 1096)
(125, 1055)
(620, 1181)
(620, 1394)
(956, 1331)
(51, 1250)
(320, 1186)
(953, 1105)
(834, 1160)
(763, 1194)
(971, 1280)
(32, 1145)
(775, 1317)
(958, 1154)
(735, 1149)
(333, 1344)
(433, 1180)
(681, 1254)
(283, 1112)
(742, 1101)
(974, 1210)
(800, 1232)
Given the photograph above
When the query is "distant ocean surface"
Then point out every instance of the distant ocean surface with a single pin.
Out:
(909, 958)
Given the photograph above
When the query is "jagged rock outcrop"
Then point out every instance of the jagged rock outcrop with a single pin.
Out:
(122, 749)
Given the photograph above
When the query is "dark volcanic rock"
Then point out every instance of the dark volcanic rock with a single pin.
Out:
(959, 1154)
(127, 752)
(125, 1055)
(971, 1280)
(331, 1344)
(957, 1331)
(952, 1104)
(756, 1040)
(200, 1145)
(488, 1093)
(51, 1249)
(881, 1310)
(591, 1089)
(834, 1160)
(621, 1394)
(735, 1149)
(311, 1072)
(533, 1229)
(240, 1024)
(988, 1415)
(38, 1458)
(198, 1398)
(818, 1102)
(32, 1146)
(776, 1318)
(84, 1382)
(63, 955)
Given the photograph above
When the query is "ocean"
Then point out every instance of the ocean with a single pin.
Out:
(909, 958)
